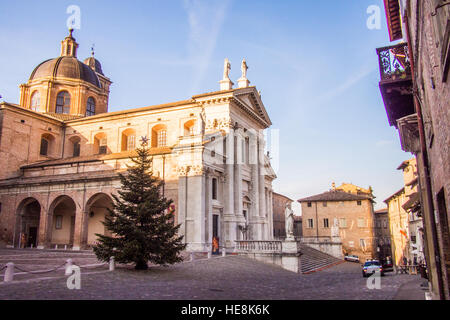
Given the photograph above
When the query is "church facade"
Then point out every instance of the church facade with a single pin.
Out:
(61, 152)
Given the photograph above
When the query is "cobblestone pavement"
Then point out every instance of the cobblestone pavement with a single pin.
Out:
(231, 277)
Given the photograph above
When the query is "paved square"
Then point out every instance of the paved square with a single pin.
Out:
(230, 277)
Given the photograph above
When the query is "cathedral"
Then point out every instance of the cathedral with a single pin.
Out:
(61, 152)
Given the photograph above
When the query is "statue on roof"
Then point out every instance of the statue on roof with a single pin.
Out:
(244, 69)
(226, 69)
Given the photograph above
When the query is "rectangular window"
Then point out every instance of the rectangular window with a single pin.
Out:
(131, 142)
(58, 222)
(76, 149)
(343, 223)
(362, 243)
(214, 188)
(44, 147)
(162, 138)
(310, 223)
(351, 244)
(325, 223)
(358, 202)
(309, 204)
(102, 146)
(361, 223)
(324, 204)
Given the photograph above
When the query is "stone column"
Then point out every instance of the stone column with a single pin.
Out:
(237, 174)
(230, 222)
(195, 209)
(253, 160)
(80, 232)
(45, 227)
(262, 189)
(208, 210)
(182, 204)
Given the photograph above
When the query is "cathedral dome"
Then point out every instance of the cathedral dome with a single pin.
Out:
(65, 67)
(94, 64)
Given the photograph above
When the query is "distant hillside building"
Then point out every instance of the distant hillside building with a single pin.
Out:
(351, 212)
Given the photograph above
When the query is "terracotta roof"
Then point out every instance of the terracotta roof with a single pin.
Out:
(384, 210)
(399, 192)
(335, 195)
(62, 116)
(154, 107)
(94, 158)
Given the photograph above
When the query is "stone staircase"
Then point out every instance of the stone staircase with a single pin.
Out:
(313, 260)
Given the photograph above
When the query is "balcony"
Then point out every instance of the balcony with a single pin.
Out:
(396, 81)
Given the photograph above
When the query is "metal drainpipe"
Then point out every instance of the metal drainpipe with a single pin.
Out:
(164, 175)
(64, 141)
(317, 224)
(425, 160)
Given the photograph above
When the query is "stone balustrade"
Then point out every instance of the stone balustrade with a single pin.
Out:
(257, 246)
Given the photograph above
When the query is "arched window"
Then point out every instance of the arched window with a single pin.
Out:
(63, 102)
(189, 128)
(46, 144)
(90, 107)
(159, 136)
(35, 101)
(101, 143)
(128, 140)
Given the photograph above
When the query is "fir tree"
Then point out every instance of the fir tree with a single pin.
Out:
(141, 226)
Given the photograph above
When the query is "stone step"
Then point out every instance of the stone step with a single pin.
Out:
(312, 259)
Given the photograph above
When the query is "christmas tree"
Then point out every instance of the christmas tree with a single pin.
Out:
(141, 219)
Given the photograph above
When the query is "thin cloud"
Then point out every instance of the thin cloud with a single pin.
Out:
(349, 83)
(383, 143)
(205, 19)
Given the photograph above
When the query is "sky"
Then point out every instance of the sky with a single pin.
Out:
(314, 62)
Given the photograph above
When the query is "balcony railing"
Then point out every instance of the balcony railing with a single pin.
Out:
(394, 62)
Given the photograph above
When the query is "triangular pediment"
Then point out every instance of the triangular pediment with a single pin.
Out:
(251, 99)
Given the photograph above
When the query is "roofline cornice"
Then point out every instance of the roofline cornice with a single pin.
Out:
(27, 112)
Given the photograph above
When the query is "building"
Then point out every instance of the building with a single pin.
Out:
(279, 219)
(351, 213)
(405, 219)
(298, 226)
(61, 152)
(382, 234)
(415, 89)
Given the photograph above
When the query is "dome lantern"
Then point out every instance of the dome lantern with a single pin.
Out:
(69, 46)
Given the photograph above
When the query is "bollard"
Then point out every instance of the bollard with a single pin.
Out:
(56, 247)
(9, 273)
(209, 254)
(224, 252)
(192, 256)
(68, 267)
(112, 263)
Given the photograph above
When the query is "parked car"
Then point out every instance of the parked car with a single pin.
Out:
(352, 258)
(372, 266)
(387, 265)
